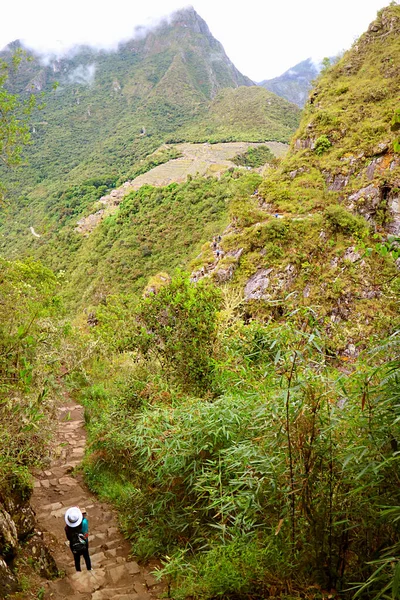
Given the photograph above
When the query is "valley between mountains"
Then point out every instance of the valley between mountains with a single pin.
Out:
(199, 321)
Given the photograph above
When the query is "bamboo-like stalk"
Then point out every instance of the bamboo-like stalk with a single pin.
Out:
(292, 490)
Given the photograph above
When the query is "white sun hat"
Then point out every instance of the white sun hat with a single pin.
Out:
(73, 516)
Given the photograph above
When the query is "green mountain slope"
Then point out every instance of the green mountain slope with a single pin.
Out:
(316, 233)
(246, 113)
(112, 109)
(257, 420)
(248, 431)
(105, 101)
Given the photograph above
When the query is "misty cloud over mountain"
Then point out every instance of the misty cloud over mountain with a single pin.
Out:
(83, 75)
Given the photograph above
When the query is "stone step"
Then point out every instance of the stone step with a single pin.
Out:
(133, 567)
(114, 576)
(142, 592)
(117, 573)
(113, 543)
(97, 558)
(87, 582)
(111, 593)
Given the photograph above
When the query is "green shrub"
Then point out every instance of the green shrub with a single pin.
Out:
(15, 481)
(177, 325)
(395, 122)
(254, 157)
(322, 144)
(341, 220)
(273, 252)
(277, 229)
(238, 568)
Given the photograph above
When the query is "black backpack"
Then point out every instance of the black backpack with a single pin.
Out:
(78, 543)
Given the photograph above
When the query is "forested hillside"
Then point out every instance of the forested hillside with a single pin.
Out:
(102, 113)
(234, 340)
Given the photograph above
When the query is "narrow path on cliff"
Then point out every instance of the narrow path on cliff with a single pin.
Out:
(114, 574)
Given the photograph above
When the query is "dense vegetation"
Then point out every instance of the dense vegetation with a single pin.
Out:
(254, 157)
(27, 332)
(279, 478)
(248, 486)
(143, 237)
(244, 423)
(31, 336)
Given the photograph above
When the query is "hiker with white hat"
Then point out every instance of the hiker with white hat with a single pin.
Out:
(77, 532)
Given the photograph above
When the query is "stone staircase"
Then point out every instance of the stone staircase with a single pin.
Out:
(114, 575)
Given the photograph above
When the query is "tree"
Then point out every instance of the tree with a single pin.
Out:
(26, 295)
(178, 325)
(14, 112)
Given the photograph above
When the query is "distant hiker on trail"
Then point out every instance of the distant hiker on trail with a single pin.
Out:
(77, 532)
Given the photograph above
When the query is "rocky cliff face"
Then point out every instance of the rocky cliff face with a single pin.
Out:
(354, 107)
(17, 526)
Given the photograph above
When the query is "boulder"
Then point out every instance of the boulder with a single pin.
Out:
(351, 351)
(380, 149)
(365, 201)
(284, 279)
(224, 275)
(370, 192)
(394, 164)
(336, 182)
(236, 254)
(370, 172)
(370, 294)
(394, 209)
(257, 285)
(305, 143)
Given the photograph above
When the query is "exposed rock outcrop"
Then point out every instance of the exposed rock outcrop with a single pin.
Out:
(8, 581)
(17, 533)
(257, 286)
(8, 535)
(24, 521)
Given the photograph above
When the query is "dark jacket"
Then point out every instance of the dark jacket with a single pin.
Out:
(69, 531)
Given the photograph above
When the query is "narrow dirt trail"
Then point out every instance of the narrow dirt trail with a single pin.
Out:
(114, 574)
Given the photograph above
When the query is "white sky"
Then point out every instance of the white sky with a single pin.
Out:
(263, 38)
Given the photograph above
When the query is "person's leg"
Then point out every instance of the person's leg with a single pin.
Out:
(77, 559)
(87, 559)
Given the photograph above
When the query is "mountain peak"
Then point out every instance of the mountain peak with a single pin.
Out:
(188, 17)
(295, 83)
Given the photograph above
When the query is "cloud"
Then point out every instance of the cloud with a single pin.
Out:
(83, 75)
(85, 22)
